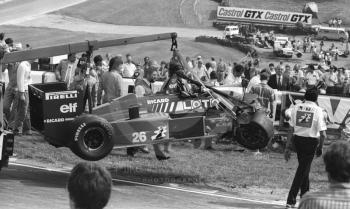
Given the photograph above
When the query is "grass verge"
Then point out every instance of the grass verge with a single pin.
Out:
(160, 50)
(265, 176)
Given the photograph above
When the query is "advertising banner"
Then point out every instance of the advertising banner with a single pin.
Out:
(262, 16)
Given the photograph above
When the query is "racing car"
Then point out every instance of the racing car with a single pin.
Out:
(129, 121)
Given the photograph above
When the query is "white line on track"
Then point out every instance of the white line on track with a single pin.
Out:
(159, 186)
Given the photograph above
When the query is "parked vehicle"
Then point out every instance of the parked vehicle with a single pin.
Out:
(231, 30)
(331, 33)
(282, 47)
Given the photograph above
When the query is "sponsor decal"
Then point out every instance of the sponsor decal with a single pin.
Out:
(76, 136)
(164, 105)
(204, 103)
(61, 95)
(160, 133)
(304, 119)
(54, 120)
(232, 13)
(157, 101)
(69, 108)
(139, 137)
(57, 120)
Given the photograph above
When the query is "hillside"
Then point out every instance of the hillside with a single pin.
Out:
(189, 13)
(327, 8)
(176, 13)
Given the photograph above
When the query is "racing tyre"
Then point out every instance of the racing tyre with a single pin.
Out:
(256, 134)
(92, 137)
(342, 39)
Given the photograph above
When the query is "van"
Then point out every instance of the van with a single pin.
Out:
(231, 30)
(331, 33)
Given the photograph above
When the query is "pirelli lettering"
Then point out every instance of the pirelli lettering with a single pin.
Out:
(61, 95)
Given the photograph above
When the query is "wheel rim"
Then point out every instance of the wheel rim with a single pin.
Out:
(252, 135)
(93, 138)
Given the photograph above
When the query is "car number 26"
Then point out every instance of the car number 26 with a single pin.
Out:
(139, 137)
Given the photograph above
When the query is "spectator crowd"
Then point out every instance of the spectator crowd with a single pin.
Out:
(89, 185)
(103, 76)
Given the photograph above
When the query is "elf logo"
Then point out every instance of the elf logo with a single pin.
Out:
(69, 108)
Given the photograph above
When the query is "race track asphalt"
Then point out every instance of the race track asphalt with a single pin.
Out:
(24, 187)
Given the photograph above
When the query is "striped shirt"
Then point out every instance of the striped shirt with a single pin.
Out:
(337, 196)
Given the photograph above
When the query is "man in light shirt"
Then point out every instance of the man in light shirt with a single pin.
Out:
(112, 80)
(255, 80)
(22, 98)
(306, 137)
(189, 62)
(330, 78)
(129, 67)
(200, 71)
(234, 78)
(272, 69)
(312, 77)
(66, 70)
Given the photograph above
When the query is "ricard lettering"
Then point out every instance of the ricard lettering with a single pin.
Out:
(157, 101)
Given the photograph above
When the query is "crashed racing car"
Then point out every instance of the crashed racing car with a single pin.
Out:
(130, 121)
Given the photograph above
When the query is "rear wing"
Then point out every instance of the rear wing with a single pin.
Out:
(52, 106)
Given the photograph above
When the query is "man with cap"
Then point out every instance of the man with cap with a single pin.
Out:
(144, 87)
(112, 80)
(66, 70)
(306, 137)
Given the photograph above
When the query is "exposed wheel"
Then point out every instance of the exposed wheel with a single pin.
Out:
(92, 137)
(342, 39)
(256, 134)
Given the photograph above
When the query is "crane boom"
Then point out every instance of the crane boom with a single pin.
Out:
(79, 47)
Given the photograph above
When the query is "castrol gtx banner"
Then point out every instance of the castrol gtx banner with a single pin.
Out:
(262, 16)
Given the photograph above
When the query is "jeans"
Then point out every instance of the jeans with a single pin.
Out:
(305, 148)
(22, 113)
(9, 98)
